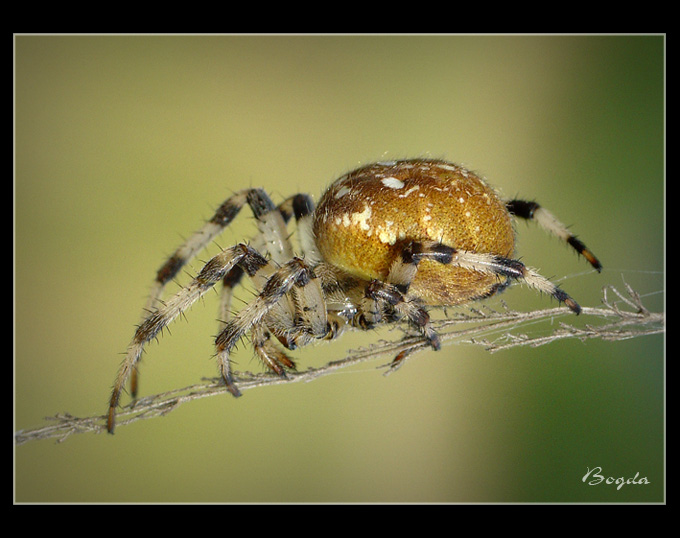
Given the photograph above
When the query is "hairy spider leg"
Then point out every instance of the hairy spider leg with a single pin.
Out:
(272, 226)
(272, 239)
(223, 216)
(276, 281)
(309, 319)
(513, 269)
(250, 261)
(404, 269)
(294, 273)
(546, 220)
(300, 315)
(381, 297)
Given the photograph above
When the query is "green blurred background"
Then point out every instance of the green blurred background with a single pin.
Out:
(124, 145)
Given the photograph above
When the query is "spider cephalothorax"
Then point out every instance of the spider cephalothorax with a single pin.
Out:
(385, 242)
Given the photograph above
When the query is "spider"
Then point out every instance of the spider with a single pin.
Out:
(385, 242)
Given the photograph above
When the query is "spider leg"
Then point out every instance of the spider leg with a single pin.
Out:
(303, 207)
(336, 325)
(259, 243)
(245, 257)
(295, 273)
(393, 292)
(309, 320)
(299, 316)
(271, 222)
(275, 359)
(224, 215)
(507, 267)
(546, 220)
(305, 318)
(229, 282)
(404, 269)
(273, 237)
(385, 294)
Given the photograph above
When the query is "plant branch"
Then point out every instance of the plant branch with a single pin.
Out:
(624, 318)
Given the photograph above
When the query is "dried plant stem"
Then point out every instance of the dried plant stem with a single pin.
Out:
(634, 320)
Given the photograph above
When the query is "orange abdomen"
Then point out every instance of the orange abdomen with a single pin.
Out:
(365, 219)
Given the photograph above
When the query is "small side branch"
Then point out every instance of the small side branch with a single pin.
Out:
(621, 317)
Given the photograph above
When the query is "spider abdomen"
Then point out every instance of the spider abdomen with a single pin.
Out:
(366, 218)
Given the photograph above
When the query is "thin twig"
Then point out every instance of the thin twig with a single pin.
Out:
(631, 320)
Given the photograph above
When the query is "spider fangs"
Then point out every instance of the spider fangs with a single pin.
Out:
(385, 242)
